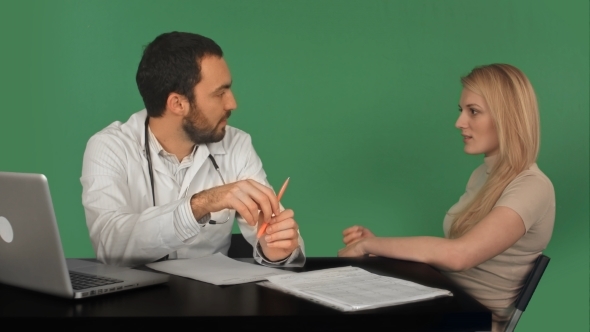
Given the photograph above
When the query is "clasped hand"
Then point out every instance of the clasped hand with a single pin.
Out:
(257, 204)
(353, 239)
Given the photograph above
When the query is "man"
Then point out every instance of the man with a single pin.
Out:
(167, 183)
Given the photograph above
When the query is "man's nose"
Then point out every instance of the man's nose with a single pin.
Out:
(230, 103)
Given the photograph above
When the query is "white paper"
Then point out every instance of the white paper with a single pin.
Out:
(351, 288)
(217, 269)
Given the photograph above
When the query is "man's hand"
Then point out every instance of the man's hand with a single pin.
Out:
(247, 197)
(281, 237)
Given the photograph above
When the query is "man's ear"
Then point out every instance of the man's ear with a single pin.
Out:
(177, 104)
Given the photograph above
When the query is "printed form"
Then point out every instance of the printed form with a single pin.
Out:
(351, 288)
(216, 269)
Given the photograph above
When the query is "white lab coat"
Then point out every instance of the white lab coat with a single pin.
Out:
(126, 229)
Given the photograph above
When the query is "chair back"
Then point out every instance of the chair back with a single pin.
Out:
(527, 290)
(239, 248)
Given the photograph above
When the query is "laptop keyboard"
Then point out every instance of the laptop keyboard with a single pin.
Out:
(82, 281)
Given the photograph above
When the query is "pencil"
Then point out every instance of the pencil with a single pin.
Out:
(279, 196)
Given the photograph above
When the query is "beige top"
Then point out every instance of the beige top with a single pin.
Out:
(496, 283)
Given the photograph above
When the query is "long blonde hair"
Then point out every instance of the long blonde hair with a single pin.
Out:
(513, 106)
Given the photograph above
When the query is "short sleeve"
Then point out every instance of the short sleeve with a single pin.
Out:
(531, 195)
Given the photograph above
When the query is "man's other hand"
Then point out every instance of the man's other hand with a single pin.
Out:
(247, 197)
(281, 236)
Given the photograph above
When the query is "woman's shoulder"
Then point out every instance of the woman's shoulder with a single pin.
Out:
(533, 177)
(532, 196)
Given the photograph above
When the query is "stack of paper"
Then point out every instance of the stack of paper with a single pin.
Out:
(216, 269)
(351, 288)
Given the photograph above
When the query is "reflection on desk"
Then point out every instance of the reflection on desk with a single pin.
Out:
(250, 306)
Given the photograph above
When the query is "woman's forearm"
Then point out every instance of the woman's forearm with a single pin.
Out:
(439, 252)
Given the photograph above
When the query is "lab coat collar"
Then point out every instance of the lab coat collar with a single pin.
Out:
(216, 148)
(135, 127)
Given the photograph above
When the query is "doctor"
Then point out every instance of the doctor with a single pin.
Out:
(168, 183)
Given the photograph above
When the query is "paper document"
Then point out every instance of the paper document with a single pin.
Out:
(351, 288)
(217, 269)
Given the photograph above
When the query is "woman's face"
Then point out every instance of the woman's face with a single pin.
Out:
(476, 125)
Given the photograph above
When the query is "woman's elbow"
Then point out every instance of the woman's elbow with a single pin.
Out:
(458, 266)
(456, 261)
(451, 265)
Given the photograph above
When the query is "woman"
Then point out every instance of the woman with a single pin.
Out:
(504, 220)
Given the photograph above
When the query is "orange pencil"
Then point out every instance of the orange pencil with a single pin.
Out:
(281, 192)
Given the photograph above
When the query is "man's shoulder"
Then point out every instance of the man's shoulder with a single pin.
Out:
(122, 134)
(123, 130)
(113, 129)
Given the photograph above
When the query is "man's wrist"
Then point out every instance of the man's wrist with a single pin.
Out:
(202, 216)
(263, 255)
(204, 219)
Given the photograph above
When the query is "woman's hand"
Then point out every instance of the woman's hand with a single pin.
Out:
(354, 238)
(355, 233)
(354, 249)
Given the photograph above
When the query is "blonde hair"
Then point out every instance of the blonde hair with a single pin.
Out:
(513, 106)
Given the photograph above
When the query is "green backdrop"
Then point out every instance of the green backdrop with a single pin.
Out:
(354, 100)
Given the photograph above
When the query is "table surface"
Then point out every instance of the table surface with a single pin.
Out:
(252, 306)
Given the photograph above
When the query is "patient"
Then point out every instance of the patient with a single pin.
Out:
(504, 220)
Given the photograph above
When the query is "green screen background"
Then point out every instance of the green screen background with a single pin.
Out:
(354, 100)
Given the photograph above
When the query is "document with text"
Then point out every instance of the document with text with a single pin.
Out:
(352, 288)
(217, 269)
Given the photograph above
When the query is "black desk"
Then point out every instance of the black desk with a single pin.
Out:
(185, 303)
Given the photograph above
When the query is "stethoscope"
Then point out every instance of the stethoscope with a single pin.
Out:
(151, 172)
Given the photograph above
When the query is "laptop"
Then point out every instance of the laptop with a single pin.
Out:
(31, 253)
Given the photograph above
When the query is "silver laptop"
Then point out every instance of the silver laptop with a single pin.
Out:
(31, 253)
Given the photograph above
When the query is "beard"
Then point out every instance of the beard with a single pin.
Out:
(198, 129)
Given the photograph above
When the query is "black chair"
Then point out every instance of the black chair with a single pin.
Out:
(527, 290)
(239, 248)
